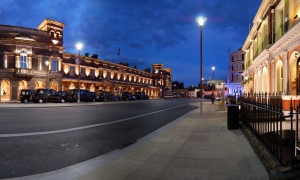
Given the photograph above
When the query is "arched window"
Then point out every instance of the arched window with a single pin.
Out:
(58, 34)
(23, 57)
(52, 34)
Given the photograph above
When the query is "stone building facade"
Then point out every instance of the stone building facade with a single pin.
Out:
(34, 58)
(272, 49)
(235, 80)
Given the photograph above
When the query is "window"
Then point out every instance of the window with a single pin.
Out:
(23, 59)
(39, 63)
(29, 63)
(92, 73)
(54, 65)
(82, 72)
(72, 70)
(5, 61)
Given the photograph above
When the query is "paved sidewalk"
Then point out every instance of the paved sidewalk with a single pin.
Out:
(191, 147)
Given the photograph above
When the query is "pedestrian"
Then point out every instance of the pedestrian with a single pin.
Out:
(212, 97)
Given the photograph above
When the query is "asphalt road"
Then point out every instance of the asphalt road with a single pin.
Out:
(42, 139)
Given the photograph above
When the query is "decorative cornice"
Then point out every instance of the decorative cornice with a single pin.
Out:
(16, 29)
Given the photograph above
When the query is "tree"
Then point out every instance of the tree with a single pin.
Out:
(134, 67)
(86, 54)
(121, 63)
(95, 56)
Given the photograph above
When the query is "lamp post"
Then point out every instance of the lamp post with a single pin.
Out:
(47, 80)
(213, 69)
(201, 20)
(77, 61)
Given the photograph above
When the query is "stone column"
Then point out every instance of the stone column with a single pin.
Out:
(286, 77)
(272, 76)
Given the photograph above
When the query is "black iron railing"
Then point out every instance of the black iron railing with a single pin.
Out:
(263, 115)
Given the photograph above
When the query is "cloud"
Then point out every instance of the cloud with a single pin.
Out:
(148, 31)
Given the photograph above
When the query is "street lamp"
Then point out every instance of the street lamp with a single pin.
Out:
(201, 20)
(213, 69)
(77, 61)
(47, 80)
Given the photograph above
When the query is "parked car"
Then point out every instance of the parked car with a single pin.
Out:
(24, 96)
(145, 96)
(176, 96)
(64, 95)
(141, 96)
(84, 95)
(127, 96)
(45, 95)
(107, 96)
(93, 94)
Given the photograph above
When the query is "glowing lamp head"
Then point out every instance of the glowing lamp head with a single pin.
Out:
(79, 46)
(201, 20)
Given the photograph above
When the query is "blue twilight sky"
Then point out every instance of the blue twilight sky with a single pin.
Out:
(146, 31)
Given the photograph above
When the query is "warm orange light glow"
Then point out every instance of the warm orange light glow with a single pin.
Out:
(97, 72)
(59, 65)
(87, 71)
(76, 70)
(112, 75)
(104, 73)
(66, 68)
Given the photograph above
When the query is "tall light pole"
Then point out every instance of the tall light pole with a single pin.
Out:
(213, 69)
(201, 20)
(47, 80)
(77, 61)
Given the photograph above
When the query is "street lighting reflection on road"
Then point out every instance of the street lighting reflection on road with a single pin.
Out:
(77, 61)
(201, 20)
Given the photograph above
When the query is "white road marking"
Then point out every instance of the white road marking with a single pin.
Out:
(84, 127)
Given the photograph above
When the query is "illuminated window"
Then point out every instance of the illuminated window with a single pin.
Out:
(23, 56)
